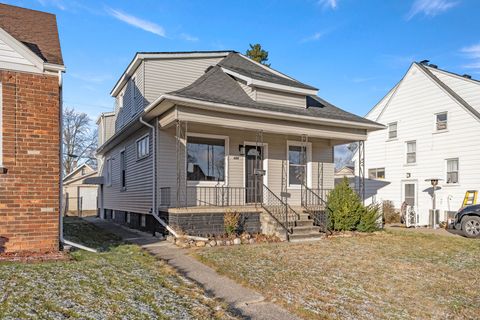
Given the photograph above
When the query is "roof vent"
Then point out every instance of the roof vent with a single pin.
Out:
(431, 65)
(467, 76)
(424, 62)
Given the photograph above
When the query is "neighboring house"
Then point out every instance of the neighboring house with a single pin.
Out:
(31, 69)
(80, 197)
(346, 172)
(195, 134)
(433, 119)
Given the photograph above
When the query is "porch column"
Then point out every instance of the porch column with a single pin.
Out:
(361, 170)
(181, 159)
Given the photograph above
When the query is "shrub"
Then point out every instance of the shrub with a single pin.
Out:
(231, 221)
(369, 218)
(345, 206)
(390, 215)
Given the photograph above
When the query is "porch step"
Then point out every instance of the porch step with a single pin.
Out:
(306, 230)
(306, 237)
(304, 223)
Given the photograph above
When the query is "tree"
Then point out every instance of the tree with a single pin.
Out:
(79, 140)
(256, 53)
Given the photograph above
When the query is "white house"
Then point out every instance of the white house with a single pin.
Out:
(433, 123)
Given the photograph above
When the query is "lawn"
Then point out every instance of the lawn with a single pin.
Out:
(122, 282)
(392, 275)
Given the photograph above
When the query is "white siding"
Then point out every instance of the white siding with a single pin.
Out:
(251, 92)
(281, 98)
(166, 75)
(414, 106)
(9, 55)
(126, 106)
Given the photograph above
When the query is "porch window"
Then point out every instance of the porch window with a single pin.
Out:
(376, 173)
(143, 147)
(123, 166)
(411, 152)
(205, 159)
(441, 121)
(297, 165)
(452, 170)
(392, 130)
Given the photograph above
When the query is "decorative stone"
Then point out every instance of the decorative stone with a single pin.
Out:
(213, 243)
(200, 244)
(228, 243)
(219, 243)
(251, 241)
(237, 241)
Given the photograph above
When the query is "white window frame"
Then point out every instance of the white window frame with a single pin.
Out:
(436, 122)
(108, 172)
(446, 172)
(406, 152)
(143, 221)
(388, 131)
(227, 154)
(308, 167)
(123, 167)
(1, 125)
(145, 136)
(376, 173)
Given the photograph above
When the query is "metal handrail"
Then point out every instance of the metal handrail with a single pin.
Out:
(280, 211)
(316, 206)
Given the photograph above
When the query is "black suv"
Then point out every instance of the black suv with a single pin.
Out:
(467, 219)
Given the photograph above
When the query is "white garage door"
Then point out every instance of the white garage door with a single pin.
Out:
(89, 198)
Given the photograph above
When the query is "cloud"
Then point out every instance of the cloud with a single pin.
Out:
(314, 37)
(137, 22)
(472, 53)
(188, 37)
(333, 4)
(54, 3)
(430, 8)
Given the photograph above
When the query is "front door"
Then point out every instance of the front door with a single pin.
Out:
(253, 174)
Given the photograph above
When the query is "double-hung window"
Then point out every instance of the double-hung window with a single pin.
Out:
(123, 170)
(376, 173)
(108, 172)
(297, 165)
(411, 152)
(441, 121)
(452, 170)
(205, 158)
(143, 147)
(392, 130)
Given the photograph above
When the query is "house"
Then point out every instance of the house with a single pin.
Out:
(80, 197)
(433, 119)
(346, 172)
(31, 67)
(196, 134)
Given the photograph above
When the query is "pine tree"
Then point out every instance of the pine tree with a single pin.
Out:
(256, 53)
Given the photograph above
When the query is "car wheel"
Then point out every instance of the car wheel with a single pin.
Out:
(471, 227)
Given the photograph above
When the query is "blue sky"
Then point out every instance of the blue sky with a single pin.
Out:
(354, 51)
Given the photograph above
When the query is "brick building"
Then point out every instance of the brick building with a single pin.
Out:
(31, 67)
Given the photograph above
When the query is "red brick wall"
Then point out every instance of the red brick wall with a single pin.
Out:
(29, 192)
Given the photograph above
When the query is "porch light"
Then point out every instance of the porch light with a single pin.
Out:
(434, 183)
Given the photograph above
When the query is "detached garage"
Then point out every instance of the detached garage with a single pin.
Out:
(80, 199)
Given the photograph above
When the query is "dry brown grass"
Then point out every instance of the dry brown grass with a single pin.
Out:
(394, 275)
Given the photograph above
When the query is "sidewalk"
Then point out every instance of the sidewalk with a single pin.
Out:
(439, 231)
(244, 302)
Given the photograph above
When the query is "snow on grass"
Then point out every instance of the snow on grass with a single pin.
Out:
(394, 275)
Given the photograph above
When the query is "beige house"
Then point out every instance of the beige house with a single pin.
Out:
(195, 134)
(80, 198)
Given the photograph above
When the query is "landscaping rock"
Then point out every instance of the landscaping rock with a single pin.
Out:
(237, 241)
(228, 243)
(212, 243)
(200, 244)
(251, 241)
(219, 243)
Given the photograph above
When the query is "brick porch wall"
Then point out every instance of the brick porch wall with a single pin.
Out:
(29, 192)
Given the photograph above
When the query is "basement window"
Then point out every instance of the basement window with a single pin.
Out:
(143, 221)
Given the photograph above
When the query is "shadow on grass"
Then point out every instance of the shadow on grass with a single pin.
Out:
(83, 232)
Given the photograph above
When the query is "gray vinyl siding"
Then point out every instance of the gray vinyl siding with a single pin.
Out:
(106, 128)
(138, 194)
(280, 98)
(127, 107)
(166, 75)
(248, 90)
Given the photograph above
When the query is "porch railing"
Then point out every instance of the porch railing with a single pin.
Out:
(283, 214)
(314, 202)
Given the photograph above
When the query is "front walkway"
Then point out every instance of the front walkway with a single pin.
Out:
(245, 302)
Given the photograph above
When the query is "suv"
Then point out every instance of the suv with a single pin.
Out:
(467, 219)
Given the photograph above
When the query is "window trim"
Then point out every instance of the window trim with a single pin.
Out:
(446, 172)
(436, 122)
(308, 165)
(148, 146)
(388, 131)
(123, 167)
(406, 153)
(226, 162)
(108, 176)
(376, 173)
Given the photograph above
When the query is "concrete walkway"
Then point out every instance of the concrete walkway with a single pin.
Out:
(242, 301)
(438, 231)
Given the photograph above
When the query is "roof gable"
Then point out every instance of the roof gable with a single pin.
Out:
(35, 29)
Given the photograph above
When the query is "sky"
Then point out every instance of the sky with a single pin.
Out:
(354, 51)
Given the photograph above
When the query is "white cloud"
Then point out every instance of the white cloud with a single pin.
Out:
(314, 37)
(137, 22)
(333, 4)
(188, 37)
(430, 8)
(472, 53)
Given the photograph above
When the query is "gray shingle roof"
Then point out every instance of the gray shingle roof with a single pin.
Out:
(218, 87)
(236, 63)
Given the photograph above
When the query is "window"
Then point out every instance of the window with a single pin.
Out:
(129, 218)
(411, 152)
(297, 165)
(134, 97)
(441, 121)
(143, 221)
(123, 166)
(410, 194)
(108, 172)
(376, 173)
(143, 147)
(392, 130)
(452, 170)
(205, 159)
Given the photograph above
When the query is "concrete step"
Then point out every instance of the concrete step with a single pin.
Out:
(306, 237)
(304, 223)
(306, 230)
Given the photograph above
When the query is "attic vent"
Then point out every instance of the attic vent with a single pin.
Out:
(425, 62)
(431, 65)
(467, 76)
